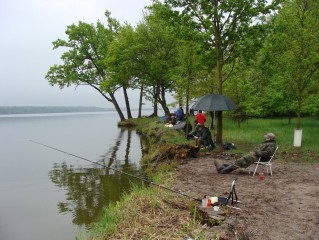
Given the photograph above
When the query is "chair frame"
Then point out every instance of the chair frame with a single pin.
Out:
(268, 164)
(232, 193)
(232, 196)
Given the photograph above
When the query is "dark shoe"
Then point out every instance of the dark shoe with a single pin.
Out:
(228, 169)
(218, 164)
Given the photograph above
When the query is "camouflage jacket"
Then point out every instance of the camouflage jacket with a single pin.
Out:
(266, 149)
(205, 134)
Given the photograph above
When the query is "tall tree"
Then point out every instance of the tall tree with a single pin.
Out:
(121, 61)
(295, 50)
(83, 63)
(225, 23)
(157, 44)
(193, 71)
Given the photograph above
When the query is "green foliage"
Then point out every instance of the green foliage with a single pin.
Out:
(265, 60)
(241, 89)
(121, 58)
(312, 106)
(83, 62)
(240, 25)
(294, 50)
(157, 41)
(230, 26)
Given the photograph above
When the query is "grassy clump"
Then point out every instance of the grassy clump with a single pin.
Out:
(147, 213)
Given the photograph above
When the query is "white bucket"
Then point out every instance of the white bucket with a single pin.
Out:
(297, 137)
(204, 203)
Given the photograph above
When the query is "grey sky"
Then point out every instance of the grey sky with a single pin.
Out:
(28, 28)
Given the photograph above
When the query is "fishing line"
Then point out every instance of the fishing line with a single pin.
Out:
(125, 173)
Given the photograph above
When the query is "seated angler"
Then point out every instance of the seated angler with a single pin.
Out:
(203, 137)
(265, 151)
(200, 118)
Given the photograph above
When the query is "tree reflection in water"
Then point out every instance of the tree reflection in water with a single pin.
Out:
(90, 189)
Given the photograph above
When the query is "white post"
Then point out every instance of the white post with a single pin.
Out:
(297, 137)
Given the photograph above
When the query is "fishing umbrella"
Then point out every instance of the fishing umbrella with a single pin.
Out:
(214, 103)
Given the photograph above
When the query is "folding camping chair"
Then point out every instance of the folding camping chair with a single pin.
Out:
(267, 164)
(231, 196)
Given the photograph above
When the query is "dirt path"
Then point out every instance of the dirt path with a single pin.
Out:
(282, 206)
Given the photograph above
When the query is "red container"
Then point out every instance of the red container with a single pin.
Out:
(261, 176)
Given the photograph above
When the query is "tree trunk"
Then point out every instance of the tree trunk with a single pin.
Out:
(187, 106)
(127, 103)
(219, 57)
(155, 107)
(110, 99)
(219, 138)
(211, 124)
(117, 108)
(140, 103)
(299, 114)
(166, 110)
(162, 101)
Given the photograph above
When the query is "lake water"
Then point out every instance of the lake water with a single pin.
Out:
(47, 194)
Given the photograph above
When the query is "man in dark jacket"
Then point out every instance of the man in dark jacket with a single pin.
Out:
(265, 151)
(203, 136)
(180, 114)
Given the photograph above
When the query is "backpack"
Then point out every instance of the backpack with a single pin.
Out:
(229, 146)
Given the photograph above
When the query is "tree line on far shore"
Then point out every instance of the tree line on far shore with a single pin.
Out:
(58, 109)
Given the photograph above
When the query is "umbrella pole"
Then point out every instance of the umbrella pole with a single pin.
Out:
(214, 133)
(212, 124)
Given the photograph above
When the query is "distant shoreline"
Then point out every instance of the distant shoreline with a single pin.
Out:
(16, 110)
(7, 110)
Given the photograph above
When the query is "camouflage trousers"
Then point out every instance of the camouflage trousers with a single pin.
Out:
(246, 160)
(199, 142)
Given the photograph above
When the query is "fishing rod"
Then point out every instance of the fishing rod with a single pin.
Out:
(125, 173)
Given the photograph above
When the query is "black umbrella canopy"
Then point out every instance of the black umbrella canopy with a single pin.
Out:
(214, 102)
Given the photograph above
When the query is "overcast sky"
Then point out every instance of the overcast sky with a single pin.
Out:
(28, 28)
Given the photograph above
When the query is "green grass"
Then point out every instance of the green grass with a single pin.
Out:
(252, 132)
(138, 212)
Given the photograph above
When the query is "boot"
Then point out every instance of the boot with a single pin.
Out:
(228, 169)
(220, 164)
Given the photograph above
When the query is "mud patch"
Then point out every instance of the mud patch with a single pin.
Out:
(282, 206)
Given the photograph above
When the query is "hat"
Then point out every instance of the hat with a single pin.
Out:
(270, 136)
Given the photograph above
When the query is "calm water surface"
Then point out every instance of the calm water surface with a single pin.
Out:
(46, 194)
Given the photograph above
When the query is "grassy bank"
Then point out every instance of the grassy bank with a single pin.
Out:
(146, 211)
(252, 131)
